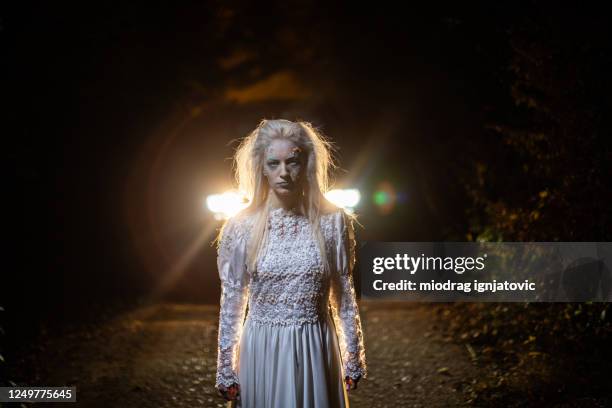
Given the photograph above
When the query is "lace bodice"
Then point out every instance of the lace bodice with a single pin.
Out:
(289, 286)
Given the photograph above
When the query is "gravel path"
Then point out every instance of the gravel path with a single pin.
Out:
(164, 355)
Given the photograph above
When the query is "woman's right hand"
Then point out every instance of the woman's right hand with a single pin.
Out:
(230, 393)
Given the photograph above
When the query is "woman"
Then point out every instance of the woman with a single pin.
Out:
(289, 257)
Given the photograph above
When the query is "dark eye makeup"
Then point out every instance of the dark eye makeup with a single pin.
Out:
(293, 162)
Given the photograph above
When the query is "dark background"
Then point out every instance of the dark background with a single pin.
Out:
(489, 121)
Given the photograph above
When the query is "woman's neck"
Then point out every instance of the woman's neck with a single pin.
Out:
(288, 202)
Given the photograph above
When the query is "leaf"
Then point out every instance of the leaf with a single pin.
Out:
(529, 340)
(471, 351)
(443, 370)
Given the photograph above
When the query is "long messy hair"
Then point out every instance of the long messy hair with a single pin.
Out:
(248, 171)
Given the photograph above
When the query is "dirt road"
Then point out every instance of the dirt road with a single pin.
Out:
(164, 355)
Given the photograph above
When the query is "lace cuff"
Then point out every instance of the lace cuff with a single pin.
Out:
(343, 301)
(231, 263)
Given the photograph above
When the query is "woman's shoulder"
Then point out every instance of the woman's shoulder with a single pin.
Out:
(336, 215)
(329, 209)
(241, 220)
(238, 225)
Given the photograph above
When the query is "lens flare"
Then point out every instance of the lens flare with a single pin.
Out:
(385, 197)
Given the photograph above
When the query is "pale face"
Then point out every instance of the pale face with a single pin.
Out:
(284, 167)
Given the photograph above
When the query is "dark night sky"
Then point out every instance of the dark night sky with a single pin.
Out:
(118, 119)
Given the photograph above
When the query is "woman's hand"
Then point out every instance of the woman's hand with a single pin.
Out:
(351, 383)
(230, 393)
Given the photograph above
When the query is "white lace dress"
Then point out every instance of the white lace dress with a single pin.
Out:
(302, 333)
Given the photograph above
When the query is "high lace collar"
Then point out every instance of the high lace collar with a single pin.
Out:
(282, 212)
(285, 212)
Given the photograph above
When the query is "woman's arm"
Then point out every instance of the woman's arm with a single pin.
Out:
(343, 300)
(231, 263)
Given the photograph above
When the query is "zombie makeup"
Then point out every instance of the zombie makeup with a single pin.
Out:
(283, 166)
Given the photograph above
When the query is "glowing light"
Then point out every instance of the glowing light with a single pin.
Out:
(227, 204)
(347, 198)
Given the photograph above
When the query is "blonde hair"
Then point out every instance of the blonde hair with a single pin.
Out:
(248, 171)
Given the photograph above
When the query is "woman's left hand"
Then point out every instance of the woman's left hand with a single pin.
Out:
(351, 383)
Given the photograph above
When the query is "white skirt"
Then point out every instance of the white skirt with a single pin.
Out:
(290, 366)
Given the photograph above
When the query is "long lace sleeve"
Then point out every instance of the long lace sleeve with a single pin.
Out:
(231, 263)
(343, 301)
